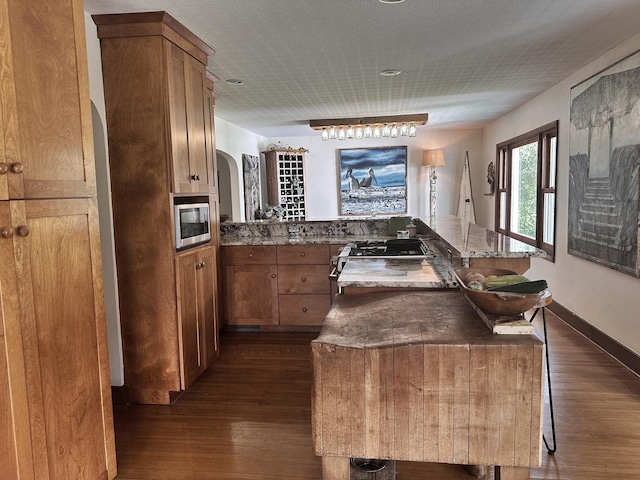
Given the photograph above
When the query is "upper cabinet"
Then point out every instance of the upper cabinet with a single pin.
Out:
(154, 69)
(46, 148)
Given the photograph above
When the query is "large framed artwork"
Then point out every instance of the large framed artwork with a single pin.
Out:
(251, 177)
(373, 180)
(604, 163)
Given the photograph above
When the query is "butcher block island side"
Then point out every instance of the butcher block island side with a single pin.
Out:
(416, 376)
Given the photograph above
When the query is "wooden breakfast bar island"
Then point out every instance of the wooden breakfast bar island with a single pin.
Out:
(418, 376)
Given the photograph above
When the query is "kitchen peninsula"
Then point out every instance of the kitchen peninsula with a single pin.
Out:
(275, 274)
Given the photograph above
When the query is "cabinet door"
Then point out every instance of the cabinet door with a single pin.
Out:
(197, 317)
(189, 110)
(211, 138)
(46, 116)
(56, 340)
(192, 335)
(252, 294)
(208, 310)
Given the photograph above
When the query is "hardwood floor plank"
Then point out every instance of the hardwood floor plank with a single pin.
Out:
(249, 417)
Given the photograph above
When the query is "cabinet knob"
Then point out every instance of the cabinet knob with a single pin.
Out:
(302, 254)
(199, 265)
(251, 255)
(195, 177)
(4, 168)
(303, 279)
(273, 275)
(304, 309)
(17, 167)
(23, 230)
(7, 232)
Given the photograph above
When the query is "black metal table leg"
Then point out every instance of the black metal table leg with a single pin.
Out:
(550, 450)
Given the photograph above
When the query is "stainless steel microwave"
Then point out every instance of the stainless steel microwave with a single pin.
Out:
(192, 224)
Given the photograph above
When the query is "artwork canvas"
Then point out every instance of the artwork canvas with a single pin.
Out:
(251, 175)
(373, 180)
(604, 163)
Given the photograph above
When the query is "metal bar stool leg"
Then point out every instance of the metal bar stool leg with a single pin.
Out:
(550, 450)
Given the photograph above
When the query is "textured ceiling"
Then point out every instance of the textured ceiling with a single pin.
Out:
(464, 62)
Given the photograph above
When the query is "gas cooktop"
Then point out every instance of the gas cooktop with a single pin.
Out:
(393, 248)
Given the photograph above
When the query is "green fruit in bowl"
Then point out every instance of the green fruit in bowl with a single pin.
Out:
(475, 285)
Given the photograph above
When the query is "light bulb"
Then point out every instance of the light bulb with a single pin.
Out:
(359, 133)
(404, 130)
(376, 131)
(368, 131)
(394, 131)
(342, 134)
(412, 130)
(350, 132)
(386, 130)
(325, 134)
(332, 133)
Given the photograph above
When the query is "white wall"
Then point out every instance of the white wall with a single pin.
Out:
(112, 311)
(603, 297)
(321, 168)
(232, 141)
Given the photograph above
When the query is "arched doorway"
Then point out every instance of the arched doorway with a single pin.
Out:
(229, 191)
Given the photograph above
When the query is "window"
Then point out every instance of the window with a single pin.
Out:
(526, 188)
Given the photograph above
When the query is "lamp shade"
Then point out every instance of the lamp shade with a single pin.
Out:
(433, 158)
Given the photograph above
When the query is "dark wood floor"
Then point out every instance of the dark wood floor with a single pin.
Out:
(248, 417)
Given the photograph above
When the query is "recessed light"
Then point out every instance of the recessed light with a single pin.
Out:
(234, 81)
(391, 1)
(391, 72)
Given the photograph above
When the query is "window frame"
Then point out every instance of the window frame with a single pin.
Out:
(543, 137)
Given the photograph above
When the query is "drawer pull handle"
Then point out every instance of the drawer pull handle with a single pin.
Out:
(7, 232)
(304, 309)
(195, 177)
(303, 279)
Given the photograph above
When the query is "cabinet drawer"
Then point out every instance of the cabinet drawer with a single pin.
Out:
(303, 254)
(303, 309)
(249, 255)
(294, 279)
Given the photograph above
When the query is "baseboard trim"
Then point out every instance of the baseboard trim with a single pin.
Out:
(622, 354)
(119, 396)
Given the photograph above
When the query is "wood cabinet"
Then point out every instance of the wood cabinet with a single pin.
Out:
(56, 420)
(55, 339)
(196, 288)
(286, 182)
(189, 110)
(284, 285)
(46, 109)
(251, 286)
(161, 145)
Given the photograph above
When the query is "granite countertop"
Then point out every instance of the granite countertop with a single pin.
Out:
(474, 241)
(468, 240)
(415, 273)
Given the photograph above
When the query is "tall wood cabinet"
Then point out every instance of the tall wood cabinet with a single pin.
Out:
(56, 420)
(286, 184)
(161, 149)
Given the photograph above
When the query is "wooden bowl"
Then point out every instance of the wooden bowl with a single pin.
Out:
(496, 303)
